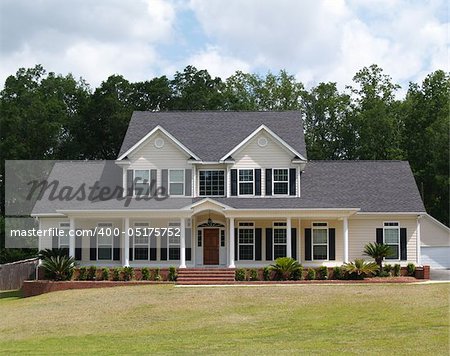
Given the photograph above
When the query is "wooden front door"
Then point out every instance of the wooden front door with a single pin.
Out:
(210, 246)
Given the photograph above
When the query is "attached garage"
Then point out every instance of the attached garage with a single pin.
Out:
(435, 243)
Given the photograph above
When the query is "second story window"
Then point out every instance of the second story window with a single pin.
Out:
(246, 182)
(280, 181)
(176, 182)
(212, 182)
(141, 182)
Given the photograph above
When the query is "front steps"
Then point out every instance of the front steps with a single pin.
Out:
(190, 276)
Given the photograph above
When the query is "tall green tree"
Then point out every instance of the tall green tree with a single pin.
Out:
(426, 140)
(376, 115)
(329, 132)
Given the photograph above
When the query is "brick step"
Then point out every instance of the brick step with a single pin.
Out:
(205, 283)
(204, 279)
(206, 270)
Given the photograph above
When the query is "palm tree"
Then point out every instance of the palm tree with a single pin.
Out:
(285, 267)
(378, 252)
(59, 268)
(360, 268)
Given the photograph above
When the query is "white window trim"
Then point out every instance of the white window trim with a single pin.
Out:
(398, 244)
(252, 227)
(279, 181)
(224, 182)
(238, 181)
(273, 235)
(112, 239)
(173, 224)
(66, 228)
(134, 180)
(140, 244)
(312, 240)
(184, 181)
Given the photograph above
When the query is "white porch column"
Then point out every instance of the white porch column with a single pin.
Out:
(418, 243)
(288, 238)
(72, 237)
(345, 234)
(231, 234)
(183, 243)
(299, 241)
(126, 242)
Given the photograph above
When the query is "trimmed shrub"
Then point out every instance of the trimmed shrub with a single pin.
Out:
(383, 274)
(172, 274)
(253, 274)
(82, 273)
(322, 272)
(387, 268)
(396, 270)
(157, 274)
(105, 273)
(128, 273)
(240, 274)
(266, 273)
(310, 274)
(338, 273)
(92, 273)
(298, 273)
(411, 269)
(145, 273)
(116, 272)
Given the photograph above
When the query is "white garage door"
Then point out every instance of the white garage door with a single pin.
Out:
(436, 257)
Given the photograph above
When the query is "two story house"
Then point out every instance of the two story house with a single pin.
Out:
(240, 192)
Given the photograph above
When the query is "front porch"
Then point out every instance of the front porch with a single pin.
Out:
(209, 236)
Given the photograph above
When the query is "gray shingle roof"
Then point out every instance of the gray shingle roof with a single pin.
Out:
(212, 134)
(372, 186)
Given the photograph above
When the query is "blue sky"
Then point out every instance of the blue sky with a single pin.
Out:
(315, 40)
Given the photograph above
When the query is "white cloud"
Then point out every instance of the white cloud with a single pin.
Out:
(329, 40)
(88, 39)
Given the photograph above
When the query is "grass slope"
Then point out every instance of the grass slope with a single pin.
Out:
(387, 319)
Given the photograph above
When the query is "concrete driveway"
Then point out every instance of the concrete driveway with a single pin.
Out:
(440, 275)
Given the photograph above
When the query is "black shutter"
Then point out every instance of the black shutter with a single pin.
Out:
(55, 241)
(308, 245)
(188, 254)
(153, 182)
(292, 181)
(131, 248)
(268, 181)
(78, 248)
(331, 244)
(130, 183)
(294, 243)
(379, 236)
(152, 254)
(233, 182)
(188, 182)
(258, 246)
(269, 246)
(163, 240)
(236, 249)
(116, 248)
(257, 181)
(93, 248)
(165, 181)
(403, 244)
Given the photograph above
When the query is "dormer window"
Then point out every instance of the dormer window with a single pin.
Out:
(211, 182)
(246, 182)
(176, 182)
(280, 182)
(141, 182)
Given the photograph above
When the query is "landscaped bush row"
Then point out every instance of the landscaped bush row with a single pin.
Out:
(93, 273)
(289, 269)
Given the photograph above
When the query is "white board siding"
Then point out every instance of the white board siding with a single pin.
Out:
(433, 233)
(254, 156)
(362, 231)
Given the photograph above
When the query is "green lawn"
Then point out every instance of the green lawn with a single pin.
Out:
(376, 319)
